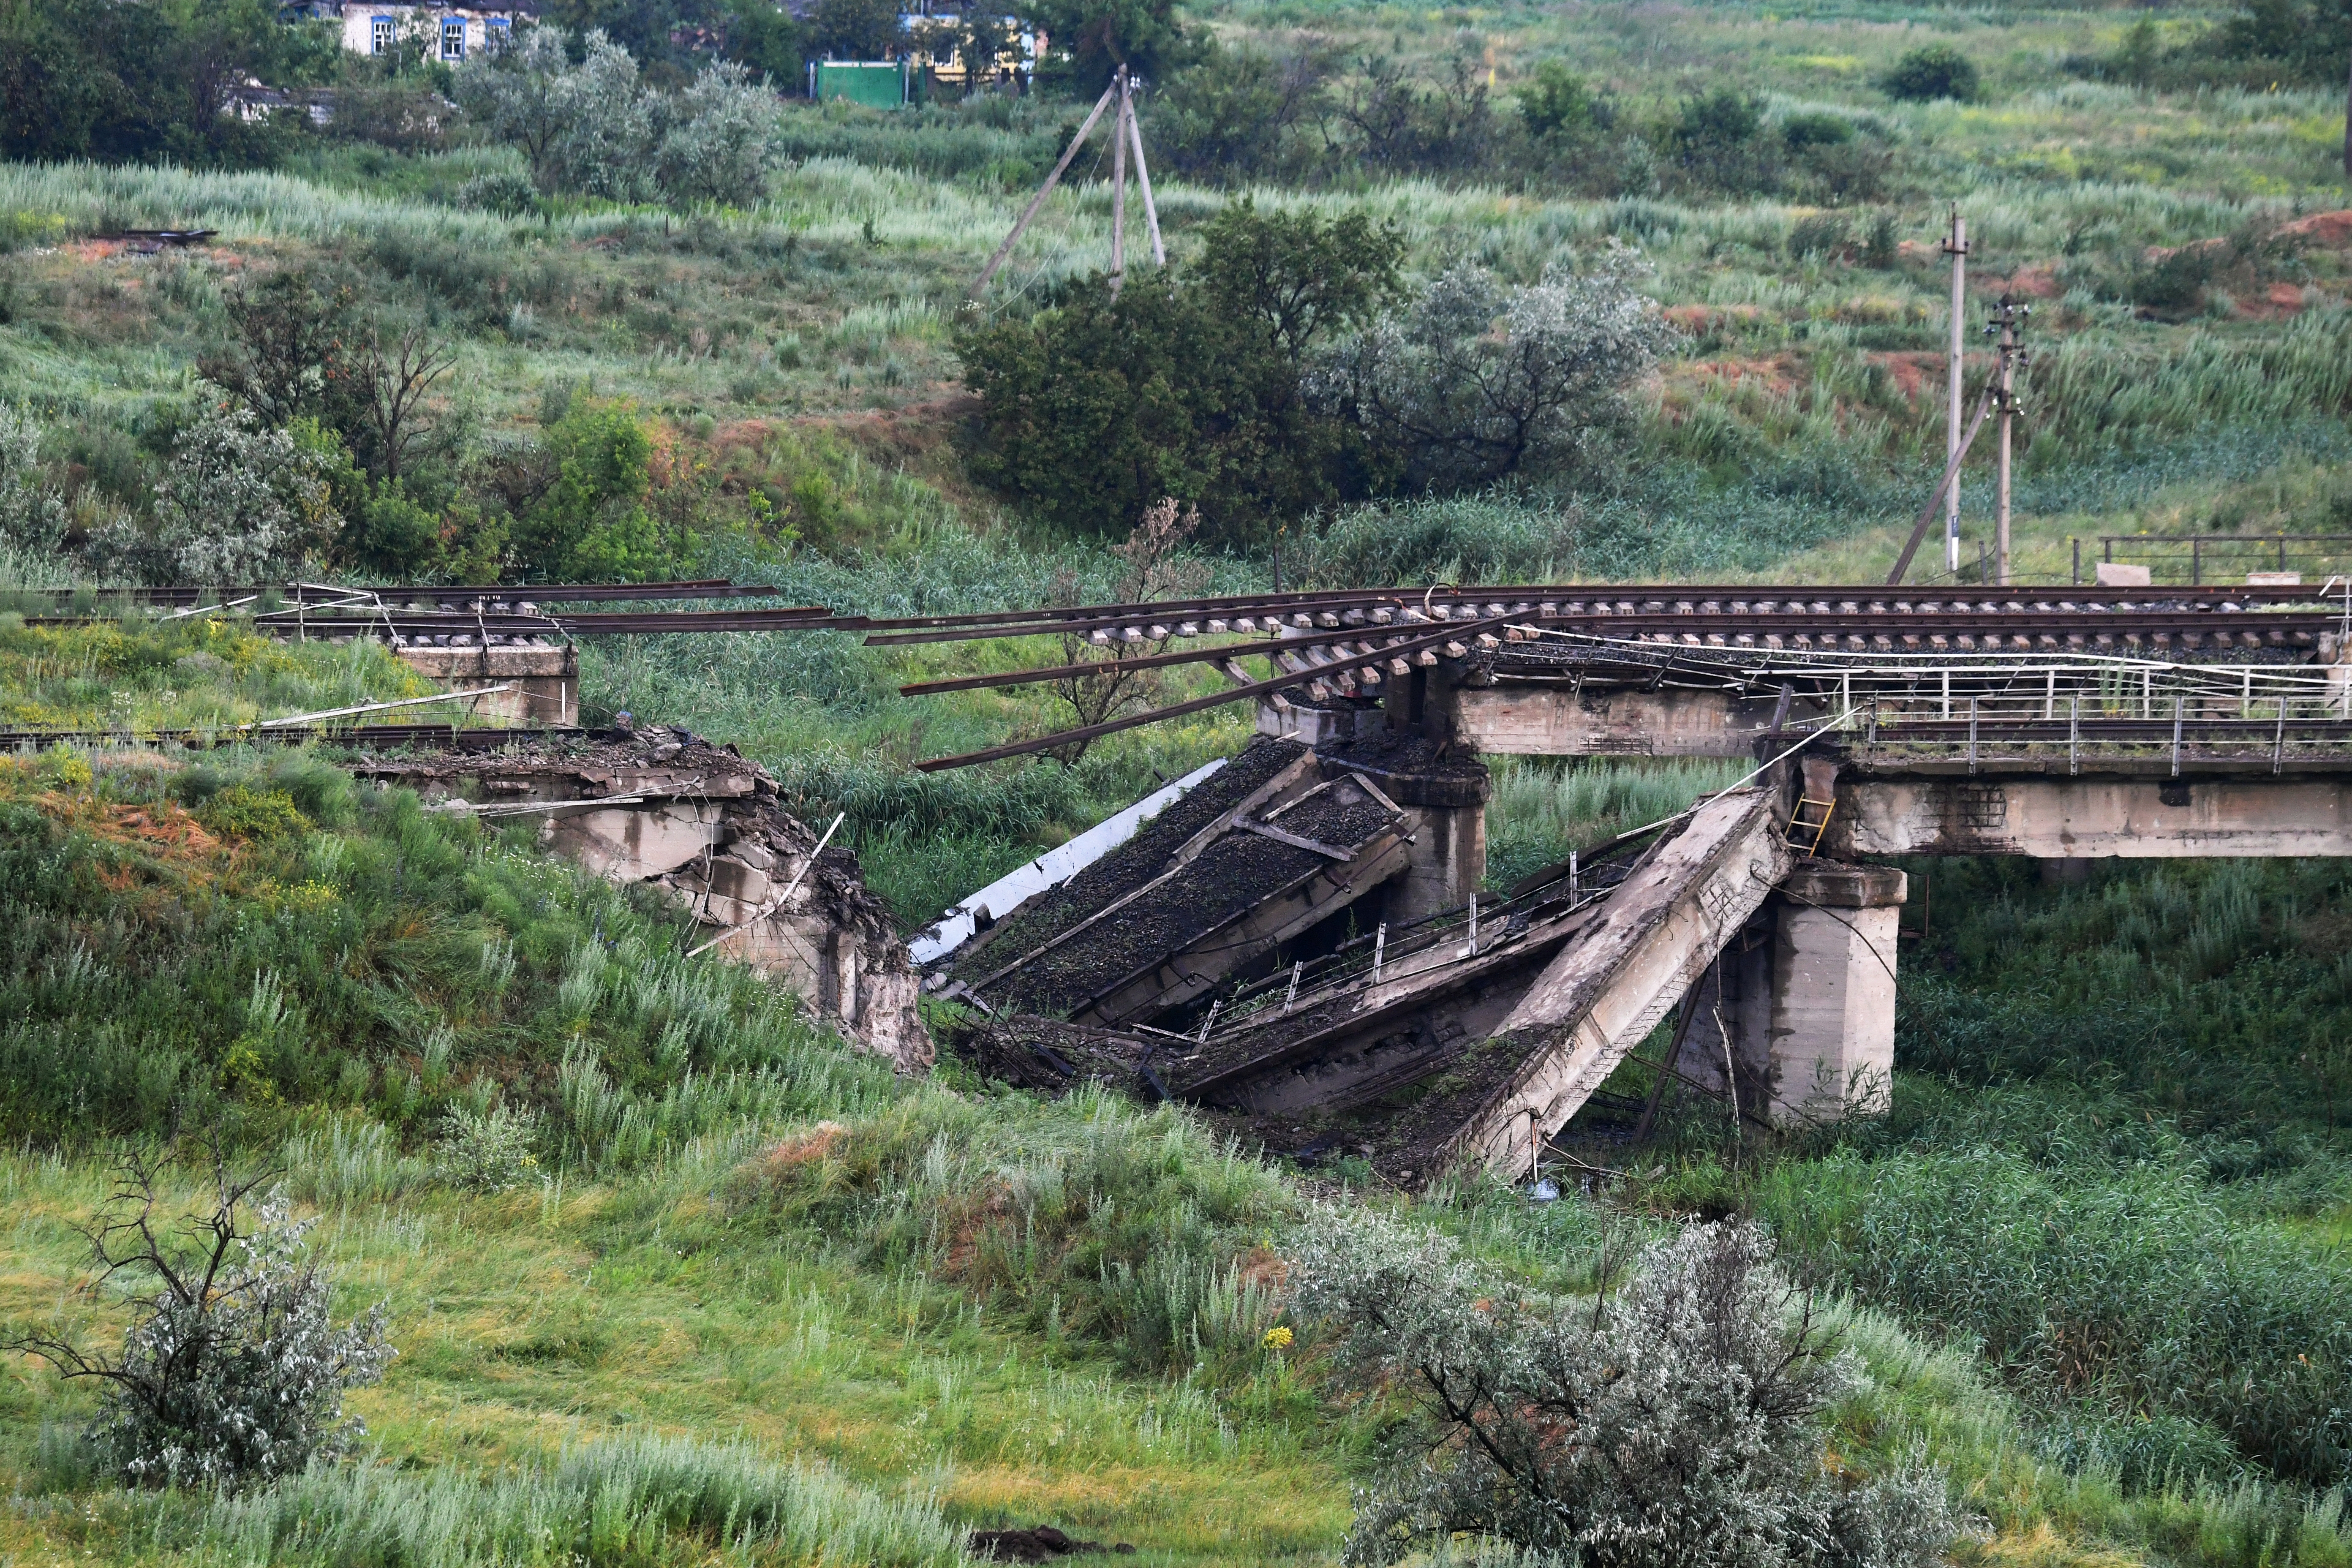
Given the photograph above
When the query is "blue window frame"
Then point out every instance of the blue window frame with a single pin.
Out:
(453, 39)
(381, 33)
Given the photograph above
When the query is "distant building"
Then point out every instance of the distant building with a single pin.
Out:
(448, 32)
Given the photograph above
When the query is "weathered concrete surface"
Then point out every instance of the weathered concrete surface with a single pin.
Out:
(1555, 718)
(1831, 1029)
(544, 681)
(1657, 935)
(704, 824)
(2070, 818)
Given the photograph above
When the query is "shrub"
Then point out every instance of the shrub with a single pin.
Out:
(32, 513)
(238, 503)
(233, 1373)
(1239, 114)
(1930, 72)
(1680, 1420)
(1818, 233)
(1099, 407)
(1717, 140)
(500, 191)
(1477, 382)
(487, 1151)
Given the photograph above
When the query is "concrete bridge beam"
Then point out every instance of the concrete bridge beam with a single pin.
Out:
(2094, 818)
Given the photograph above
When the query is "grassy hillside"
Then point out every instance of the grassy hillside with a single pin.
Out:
(758, 1301)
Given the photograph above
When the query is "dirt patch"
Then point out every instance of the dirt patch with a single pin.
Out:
(1777, 375)
(1913, 373)
(2331, 231)
(1042, 1543)
(2277, 301)
(794, 1154)
(2025, 283)
(1699, 319)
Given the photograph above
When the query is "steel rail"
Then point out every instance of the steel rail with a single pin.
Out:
(1587, 602)
(1198, 704)
(177, 595)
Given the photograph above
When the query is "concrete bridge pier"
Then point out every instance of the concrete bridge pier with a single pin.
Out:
(1801, 1006)
(543, 683)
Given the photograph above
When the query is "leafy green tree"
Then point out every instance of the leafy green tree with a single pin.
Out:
(763, 37)
(591, 523)
(128, 83)
(1930, 72)
(1089, 40)
(856, 29)
(1238, 114)
(1556, 104)
(1189, 388)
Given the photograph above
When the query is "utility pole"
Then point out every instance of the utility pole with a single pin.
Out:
(1125, 137)
(1955, 246)
(1119, 138)
(2347, 127)
(2006, 318)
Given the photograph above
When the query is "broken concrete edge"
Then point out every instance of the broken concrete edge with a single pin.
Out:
(667, 808)
(1602, 994)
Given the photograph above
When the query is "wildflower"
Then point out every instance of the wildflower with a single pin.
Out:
(1276, 1339)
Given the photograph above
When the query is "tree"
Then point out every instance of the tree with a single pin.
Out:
(239, 502)
(1556, 104)
(585, 128)
(589, 522)
(1678, 1421)
(1238, 114)
(763, 37)
(32, 513)
(1404, 124)
(135, 83)
(1189, 387)
(1109, 683)
(1478, 382)
(1930, 72)
(233, 1373)
(1089, 40)
(293, 350)
(720, 140)
(856, 29)
(396, 372)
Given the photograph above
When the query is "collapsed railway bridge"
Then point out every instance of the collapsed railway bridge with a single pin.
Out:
(1296, 940)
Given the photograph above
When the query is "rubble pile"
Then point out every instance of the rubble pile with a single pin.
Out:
(665, 807)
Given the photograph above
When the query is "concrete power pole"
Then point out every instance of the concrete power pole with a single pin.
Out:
(1955, 246)
(2006, 318)
(2347, 127)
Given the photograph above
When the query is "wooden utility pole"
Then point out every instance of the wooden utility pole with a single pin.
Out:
(2008, 317)
(2348, 126)
(1118, 186)
(1955, 246)
(1124, 136)
(1143, 184)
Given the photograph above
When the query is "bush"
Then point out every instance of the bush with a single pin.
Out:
(1477, 382)
(1679, 1420)
(32, 512)
(501, 191)
(1930, 72)
(233, 1373)
(1099, 407)
(487, 1151)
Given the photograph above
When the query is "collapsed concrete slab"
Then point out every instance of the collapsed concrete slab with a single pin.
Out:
(1256, 856)
(665, 807)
